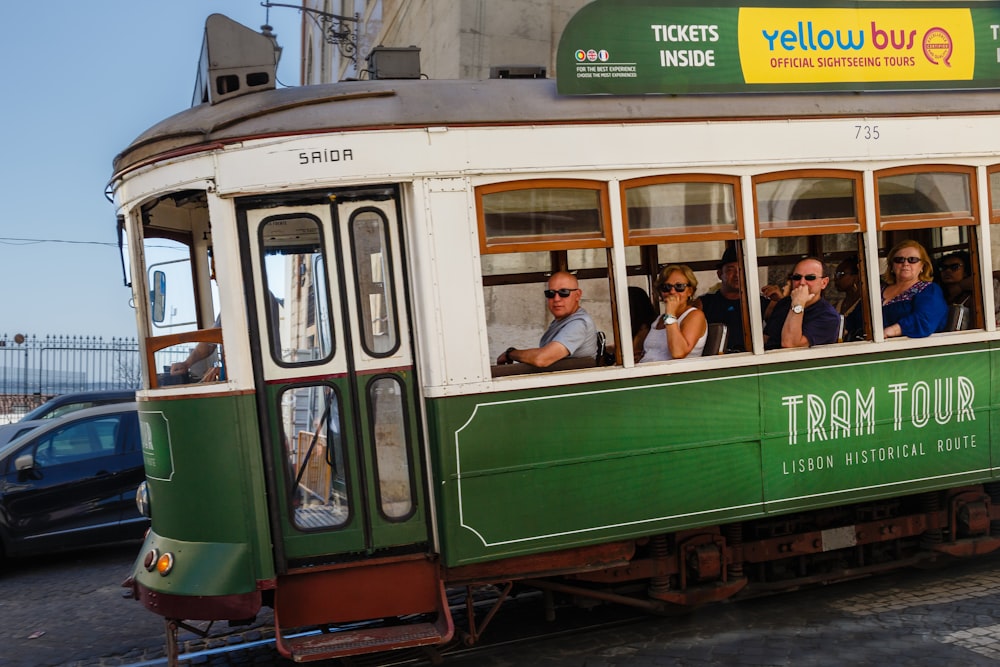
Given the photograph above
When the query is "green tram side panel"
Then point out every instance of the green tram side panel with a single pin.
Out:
(995, 408)
(872, 427)
(525, 472)
(206, 487)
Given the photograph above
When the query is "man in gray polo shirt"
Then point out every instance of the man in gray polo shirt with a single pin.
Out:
(571, 334)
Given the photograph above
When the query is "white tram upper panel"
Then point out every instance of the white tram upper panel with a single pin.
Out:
(277, 116)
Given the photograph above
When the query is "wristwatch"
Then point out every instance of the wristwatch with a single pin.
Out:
(669, 319)
(798, 309)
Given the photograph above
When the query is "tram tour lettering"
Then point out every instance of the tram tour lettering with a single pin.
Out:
(326, 155)
(883, 454)
(840, 416)
(806, 464)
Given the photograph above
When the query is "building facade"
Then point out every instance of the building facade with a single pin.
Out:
(458, 39)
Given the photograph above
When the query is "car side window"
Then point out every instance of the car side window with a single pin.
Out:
(68, 408)
(88, 439)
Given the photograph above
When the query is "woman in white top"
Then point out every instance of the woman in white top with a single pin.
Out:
(681, 331)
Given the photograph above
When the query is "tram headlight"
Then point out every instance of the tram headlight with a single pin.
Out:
(150, 560)
(165, 563)
(142, 500)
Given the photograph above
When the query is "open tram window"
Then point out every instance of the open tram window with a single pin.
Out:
(297, 309)
(690, 220)
(928, 210)
(802, 218)
(183, 329)
(529, 231)
(311, 429)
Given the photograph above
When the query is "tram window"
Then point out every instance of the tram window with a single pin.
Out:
(311, 429)
(370, 252)
(826, 203)
(516, 310)
(932, 206)
(392, 459)
(528, 231)
(843, 265)
(184, 343)
(685, 219)
(719, 294)
(296, 313)
(528, 215)
(170, 272)
(813, 213)
(924, 196)
(680, 207)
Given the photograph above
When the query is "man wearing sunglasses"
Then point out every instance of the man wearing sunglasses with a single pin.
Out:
(571, 334)
(803, 318)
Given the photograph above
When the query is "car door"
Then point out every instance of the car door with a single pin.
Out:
(69, 489)
(127, 474)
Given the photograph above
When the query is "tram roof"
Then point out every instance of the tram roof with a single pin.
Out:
(356, 105)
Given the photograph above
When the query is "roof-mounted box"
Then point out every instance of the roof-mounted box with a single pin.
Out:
(235, 60)
(387, 62)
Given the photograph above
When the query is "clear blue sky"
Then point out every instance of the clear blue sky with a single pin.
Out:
(83, 80)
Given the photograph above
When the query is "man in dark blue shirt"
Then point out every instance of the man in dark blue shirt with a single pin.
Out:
(726, 305)
(803, 318)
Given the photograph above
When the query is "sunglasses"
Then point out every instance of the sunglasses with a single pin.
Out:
(952, 267)
(841, 274)
(905, 260)
(666, 288)
(796, 277)
(564, 292)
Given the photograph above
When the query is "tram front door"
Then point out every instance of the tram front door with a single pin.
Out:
(335, 374)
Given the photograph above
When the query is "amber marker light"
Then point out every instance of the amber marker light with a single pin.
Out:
(165, 564)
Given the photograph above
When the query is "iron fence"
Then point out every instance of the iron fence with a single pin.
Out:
(34, 369)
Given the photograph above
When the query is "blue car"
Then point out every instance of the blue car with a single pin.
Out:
(71, 482)
(62, 405)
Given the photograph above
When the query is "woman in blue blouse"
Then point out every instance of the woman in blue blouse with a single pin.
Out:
(912, 305)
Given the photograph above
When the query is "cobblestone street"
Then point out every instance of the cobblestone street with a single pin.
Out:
(69, 611)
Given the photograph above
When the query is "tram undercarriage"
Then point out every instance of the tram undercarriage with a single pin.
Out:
(413, 599)
(410, 601)
(663, 573)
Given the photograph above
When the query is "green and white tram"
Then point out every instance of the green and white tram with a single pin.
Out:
(347, 262)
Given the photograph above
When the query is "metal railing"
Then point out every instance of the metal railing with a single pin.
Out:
(34, 369)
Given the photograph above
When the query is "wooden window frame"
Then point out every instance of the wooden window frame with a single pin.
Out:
(993, 204)
(929, 220)
(545, 243)
(717, 234)
(825, 226)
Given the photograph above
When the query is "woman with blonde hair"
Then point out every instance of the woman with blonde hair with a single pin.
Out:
(681, 331)
(912, 305)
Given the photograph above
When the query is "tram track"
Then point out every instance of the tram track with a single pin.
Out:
(526, 617)
(521, 621)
